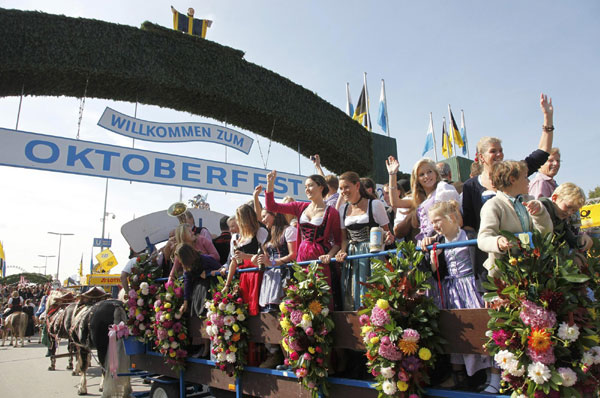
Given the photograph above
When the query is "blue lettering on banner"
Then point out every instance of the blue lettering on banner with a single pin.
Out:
(54, 152)
(51, 153)
(174, 132)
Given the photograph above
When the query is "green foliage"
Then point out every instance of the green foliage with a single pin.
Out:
(594, 193)
(54, 55)
(31, 277)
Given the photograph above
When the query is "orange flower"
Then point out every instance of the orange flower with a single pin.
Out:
(408, 347)
(315, 307)
(235, 337)
(539, 340)
(182, 336)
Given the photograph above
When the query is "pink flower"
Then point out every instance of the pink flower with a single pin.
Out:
(286, 362)
(500, 337)
(319, 349)
(294, 356)
(132, 302)
(363, 319)
(535, 316)
(177, 327)
(167, 324)
(379, 317)
(181, 353)
(320, 361)
(178, 292)
(385, 340)
(413, 396)
(296, 317)
(301, 372)
(161, 334)
(307, 356)
(168, 284)
(291, 332)
(153, 289)
(132, 294)
(309, 331)
(411, 335)
(374, 373)
(546, 357)
(140, 317)
(389, 351)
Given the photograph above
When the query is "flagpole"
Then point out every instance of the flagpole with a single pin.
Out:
(367, 102)
(433, 134)
(451, 127)
(464, 128)
(387, 119)
(349, 111)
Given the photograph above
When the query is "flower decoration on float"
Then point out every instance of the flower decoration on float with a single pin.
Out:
(399, 325)
(306, 327)
(226, 326)
(140, 302)
(170, 327)
(543, 328)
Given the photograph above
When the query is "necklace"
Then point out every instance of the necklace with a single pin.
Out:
(354, 204)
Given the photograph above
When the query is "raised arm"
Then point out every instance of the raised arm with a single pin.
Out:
(317, 161)
(392, 166)
(256, 199)
(548, 126)
(294, 208)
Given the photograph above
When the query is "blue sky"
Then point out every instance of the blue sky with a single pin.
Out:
(490, 58)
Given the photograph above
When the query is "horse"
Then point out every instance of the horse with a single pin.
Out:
(89, 330)
(17, 324)
(58, 316)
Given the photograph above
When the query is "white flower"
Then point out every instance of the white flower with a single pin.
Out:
(230, 308)
(174, 344)
(241, 317)
(512, 367)
(503, 357)
(178, 315)
(569, 377)
(588, 358)
(207, 305)
(162, 318)
(145, 292)
(569, 333)
(538, 372)
(325, 311)
(231, 357)
(596, 351)
(165, 346)
(142, 326)
(209, 331)
(144, 286)
(227, 335)
(517, 395)
(388, 373)
(489, 334)
(222, 306)
(169, 296)
(221, 357)
(215, 329)
(305, 324)
(140, 302)
(228, 320)
(388, 387)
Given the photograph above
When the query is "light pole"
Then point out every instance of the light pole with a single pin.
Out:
(60, 235)
(46, 262)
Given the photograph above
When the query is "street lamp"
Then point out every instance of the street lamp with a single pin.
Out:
(60, 235)
(46, 262)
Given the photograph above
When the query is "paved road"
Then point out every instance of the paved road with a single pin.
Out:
(24, 374)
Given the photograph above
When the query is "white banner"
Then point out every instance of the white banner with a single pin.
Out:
(45, 152)
(173, 132)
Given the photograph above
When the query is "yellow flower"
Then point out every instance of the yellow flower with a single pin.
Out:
(167, 305)
(539, 340)
(311, 350)
(213, 308)
(172, 354)
(239, 311)
(513, 261)
(168, 316)
(383, 304)
(285, 346)
(235, 327)
(402, 385)
(366, 329)
(170, 332)
(306, 318)
(233, 348)
(425, 354)
(285, 324)
(315, 307)
(594, 337)
(592, 312)
(408, 347)
(374, 340)
(138, 311)
(282, 308)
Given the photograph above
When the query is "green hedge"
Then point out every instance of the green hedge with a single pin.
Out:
(54, 55)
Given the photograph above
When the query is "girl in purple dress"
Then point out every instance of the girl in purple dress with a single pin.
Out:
(458, 286)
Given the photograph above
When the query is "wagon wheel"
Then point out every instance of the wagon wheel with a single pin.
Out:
(164, 390)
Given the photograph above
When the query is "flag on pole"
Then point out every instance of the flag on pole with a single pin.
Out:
(446, 146)
(81, 266)
(361, 113)
(454, 133)
(463, 133)
(2, 262)
(349, 105)
(382, 120)
(429, 145)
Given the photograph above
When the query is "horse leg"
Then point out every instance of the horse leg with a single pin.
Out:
(101, 387)
(52, 351)
(70, 350)
(83, 360)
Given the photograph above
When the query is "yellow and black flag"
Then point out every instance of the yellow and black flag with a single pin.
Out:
(446, 146)
(188, 24)
(455, 135)
(361, 112)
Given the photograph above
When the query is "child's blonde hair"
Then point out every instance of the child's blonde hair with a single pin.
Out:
(570, 192)
(503, 171)
(444, 209)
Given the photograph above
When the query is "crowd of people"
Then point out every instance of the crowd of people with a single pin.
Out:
(27, 298)
(340, 211)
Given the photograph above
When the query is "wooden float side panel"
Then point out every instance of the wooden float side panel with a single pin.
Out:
(464, 330)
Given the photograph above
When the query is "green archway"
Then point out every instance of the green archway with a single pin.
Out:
(54, 55)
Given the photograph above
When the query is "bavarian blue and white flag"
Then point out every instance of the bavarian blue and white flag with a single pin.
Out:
(349, 106)
(463, 132)
(429, 144)
(382, 120)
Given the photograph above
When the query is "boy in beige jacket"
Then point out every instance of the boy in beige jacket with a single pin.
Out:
(512, 210)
